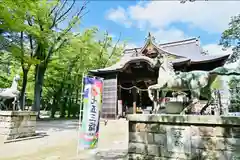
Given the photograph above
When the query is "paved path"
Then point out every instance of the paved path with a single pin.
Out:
(61, 143)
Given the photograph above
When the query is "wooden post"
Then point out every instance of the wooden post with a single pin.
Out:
(134, 93)
(119, 106)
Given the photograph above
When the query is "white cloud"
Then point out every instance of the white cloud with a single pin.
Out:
(130, 46)
(215, 49)
(160, 16)
(118, 15)
(169, 35)
(211, 16)
(233, 65)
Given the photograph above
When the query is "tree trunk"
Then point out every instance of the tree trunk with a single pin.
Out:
(54, 106)
(39, 76)
(64, 105)
(77, 94)
(63, 108)
(70, 111)
(24, 85)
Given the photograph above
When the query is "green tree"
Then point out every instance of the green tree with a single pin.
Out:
(76, 57)
(37, 22)
(231, 38)
(48, 18)
(32, 37)
(16, 17)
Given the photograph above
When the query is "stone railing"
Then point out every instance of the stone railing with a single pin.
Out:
(17, 124)
(187, 137)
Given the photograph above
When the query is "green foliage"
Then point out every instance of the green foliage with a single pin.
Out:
(8, 69)
(32, 38)
(80, 54)
(217, 84)
(231, 38)
(234, 82)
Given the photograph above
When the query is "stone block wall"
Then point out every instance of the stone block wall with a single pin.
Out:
(187, 137)
(17, 124)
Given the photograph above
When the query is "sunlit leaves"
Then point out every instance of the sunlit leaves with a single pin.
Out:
(231, 38)
(81, 53)
(217, 83)
(35, 39)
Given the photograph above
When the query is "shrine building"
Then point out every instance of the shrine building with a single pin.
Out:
(126, 82)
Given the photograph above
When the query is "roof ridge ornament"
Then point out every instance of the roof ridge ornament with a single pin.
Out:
(150, 38)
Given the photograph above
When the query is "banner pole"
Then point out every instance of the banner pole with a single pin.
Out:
(80, 113)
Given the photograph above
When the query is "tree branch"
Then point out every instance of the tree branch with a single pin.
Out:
(114, 48)
(63, 34)
(67, 11)
(53, 9)
(31, 45)
(104, 45)
(60, 45)
(58, 17)
(39, 23)
(29, 21)
(22, 50)
(77, 14)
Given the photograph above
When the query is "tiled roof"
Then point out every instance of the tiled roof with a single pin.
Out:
(125, 60)
(190, 49)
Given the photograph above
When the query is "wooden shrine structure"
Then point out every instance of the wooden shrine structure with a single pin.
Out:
(126, 82)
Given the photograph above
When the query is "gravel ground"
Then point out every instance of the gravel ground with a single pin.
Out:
(61, 143)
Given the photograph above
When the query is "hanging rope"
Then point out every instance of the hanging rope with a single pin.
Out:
(129, 88)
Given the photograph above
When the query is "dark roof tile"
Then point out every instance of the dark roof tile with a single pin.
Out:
(188, 48)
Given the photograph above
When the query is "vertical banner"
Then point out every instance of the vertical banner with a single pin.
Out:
(92, 103)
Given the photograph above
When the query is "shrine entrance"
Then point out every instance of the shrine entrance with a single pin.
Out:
(133, 82)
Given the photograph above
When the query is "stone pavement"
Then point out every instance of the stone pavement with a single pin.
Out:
(61, 143)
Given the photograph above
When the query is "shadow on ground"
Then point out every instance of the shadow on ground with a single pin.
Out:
(111, 154)
(59, 125)
(114, 154)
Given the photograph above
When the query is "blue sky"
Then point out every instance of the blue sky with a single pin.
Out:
(166, 20)
(98, 16)
(100, 11)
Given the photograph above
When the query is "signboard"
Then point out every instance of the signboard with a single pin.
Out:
(92, 103)
(178, 139)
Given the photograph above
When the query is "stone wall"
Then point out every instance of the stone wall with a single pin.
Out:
(17, 124)
(189, 137)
